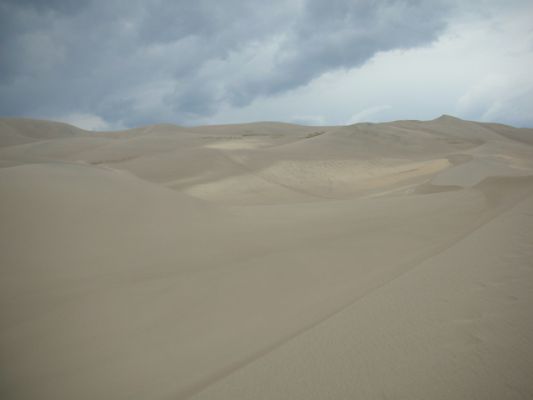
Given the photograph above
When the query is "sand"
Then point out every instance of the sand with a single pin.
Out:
(266, 261)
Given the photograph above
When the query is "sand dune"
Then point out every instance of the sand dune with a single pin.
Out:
(266, 261)
(19, 131)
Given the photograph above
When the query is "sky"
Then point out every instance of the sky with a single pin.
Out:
(113, 64)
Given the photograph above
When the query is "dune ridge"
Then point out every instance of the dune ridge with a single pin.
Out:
(266, 260)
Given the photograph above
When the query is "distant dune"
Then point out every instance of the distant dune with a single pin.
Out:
(266, 261)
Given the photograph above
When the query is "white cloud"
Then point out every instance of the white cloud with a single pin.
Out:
(88, 122)
(368, 114)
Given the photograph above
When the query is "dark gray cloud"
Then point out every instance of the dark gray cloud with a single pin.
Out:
(161, 60)
(341, 33)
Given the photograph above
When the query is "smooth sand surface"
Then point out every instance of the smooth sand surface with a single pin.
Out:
(266, 261)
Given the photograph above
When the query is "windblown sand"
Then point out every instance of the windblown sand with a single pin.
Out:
(266, 261)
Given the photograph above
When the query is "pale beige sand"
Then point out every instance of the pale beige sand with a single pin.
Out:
(266, 261)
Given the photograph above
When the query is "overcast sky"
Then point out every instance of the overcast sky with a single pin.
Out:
(108, 64)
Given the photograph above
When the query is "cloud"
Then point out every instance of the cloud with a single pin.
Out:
(104, 57)
(88, 122)
(367, 114)
(344, 34)
(421, 82)
(134, 62)
(499, 98)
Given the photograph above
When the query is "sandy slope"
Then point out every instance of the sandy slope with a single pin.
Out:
(456, 326)
(266, 261)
